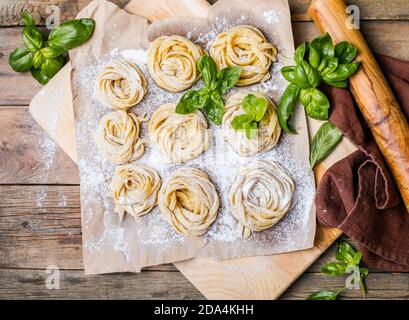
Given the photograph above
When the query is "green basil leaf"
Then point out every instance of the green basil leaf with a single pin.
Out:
(32, 38)
(286, 107)
(314, 58)
(338, 84)
(345, 252)
(323, 64)
(324, 45)
(27, 18)
(259, 108)
(40, 76)
(248, 103)
(190, 102)
(306, 76)
(227, 78)
(315, 102)
(345, 52)
(288, 73)
(241, 121)
(300, 52)
(324, 295)
(208, 69)
(37, 59)
(357, 258)
(331, 65)
(342, 72)
(214, 108)
(364, 272)
(71, 34)
(334, 269)
(325, 140)
(50, 67)
(251, 130)
(21, 60)
(50, 52)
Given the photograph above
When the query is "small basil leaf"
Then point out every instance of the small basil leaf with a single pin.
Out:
(214, 108)
(40, 76)
(37, 59)
(364, 272)
(50, 52)
(286, 107)
(324, 295)
(357, 258)
(345, 52)
(21, 60)
(314, 58)
(306, 76)
(259, 108)
(300, 52)
(338, 84)
(189, 102)
(324, 45)
(342, 72)
(208, 69)
(315, 102)
(248, 103)
(51, 66)
(344, 252)
(325, 140)
(32, 38)
(331, 65)
(71, 34)
(323, 64)
(27, 18)
(334, 268)
(288, 73)
(227, 78)
(241, 121)
(251, 130)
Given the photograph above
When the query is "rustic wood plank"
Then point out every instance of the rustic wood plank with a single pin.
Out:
(379, 285)
(387, 37)
(10, 10)
(31, 284)
(28, 155)
(40, 225)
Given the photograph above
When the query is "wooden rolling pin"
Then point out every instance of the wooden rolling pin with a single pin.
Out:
(371, 92)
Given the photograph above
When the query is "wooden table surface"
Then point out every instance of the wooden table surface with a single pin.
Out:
(39, 185)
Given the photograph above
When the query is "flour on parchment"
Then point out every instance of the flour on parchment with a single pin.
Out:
(220, 162)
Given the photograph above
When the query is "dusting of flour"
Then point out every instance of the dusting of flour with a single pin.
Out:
(220, 162)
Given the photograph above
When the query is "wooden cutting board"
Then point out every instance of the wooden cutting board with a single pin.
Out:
(264, 277)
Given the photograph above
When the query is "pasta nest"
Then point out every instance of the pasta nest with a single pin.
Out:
(121, 85)
(189, 201)
(180, 137)
(117, 137)
(268, 131)
(134, 188)
(260, 196)
(172, 62)
(247, 48)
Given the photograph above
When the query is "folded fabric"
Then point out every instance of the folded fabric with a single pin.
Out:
(358, 194)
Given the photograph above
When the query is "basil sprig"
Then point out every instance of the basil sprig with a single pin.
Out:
(209, 98)
(255, 109)
(45, 58)
(316, 62)
(347, 262)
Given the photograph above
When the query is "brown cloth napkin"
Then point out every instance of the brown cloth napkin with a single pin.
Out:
(358, 194)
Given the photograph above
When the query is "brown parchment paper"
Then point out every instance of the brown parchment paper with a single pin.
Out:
(113, 246)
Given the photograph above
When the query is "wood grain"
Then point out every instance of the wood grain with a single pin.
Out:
(387, 37)
(372, 93)
(10, 10)
(28, 155)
